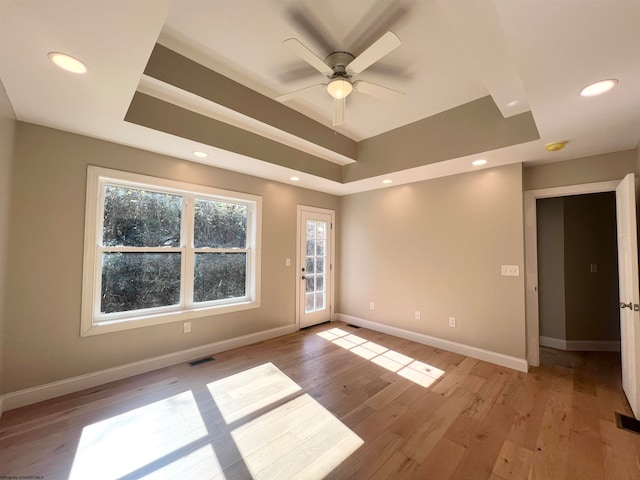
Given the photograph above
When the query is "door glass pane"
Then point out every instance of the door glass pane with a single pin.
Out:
(308, 302)
(311, 247)
(315, 297)
(320, 301)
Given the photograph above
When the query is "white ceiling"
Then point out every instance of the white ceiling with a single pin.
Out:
(536, 53)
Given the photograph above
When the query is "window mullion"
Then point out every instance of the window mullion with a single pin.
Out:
(189, 259)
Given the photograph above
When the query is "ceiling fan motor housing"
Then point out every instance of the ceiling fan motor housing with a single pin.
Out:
(338, 62)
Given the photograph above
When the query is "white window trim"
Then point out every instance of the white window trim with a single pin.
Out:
(96, 177)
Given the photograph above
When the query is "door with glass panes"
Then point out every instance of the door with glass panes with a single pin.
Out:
(315, 267)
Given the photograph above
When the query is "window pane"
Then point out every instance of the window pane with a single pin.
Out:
(319, 265)
(220, 224)
(134, 281)
(219, 276)
(320, 283)
(320, 248)
(137, 218)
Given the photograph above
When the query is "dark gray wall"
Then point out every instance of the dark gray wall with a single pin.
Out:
(591, 298)
(551, 294)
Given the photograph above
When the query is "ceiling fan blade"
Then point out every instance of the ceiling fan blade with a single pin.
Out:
(302, 91)
(308, 56)
(338, 112)
(381, 47)
(374, 90)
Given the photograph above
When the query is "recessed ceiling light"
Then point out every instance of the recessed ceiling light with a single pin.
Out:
(512, 103)
(598, 88)
(387, 181)
(200, 154)
(67, 62)
(479, 162)
(294, 179)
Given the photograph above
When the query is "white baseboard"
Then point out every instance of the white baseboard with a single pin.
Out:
(89, 380)
(557, 343)
(580, 345)
(593, 346)
(515, 363)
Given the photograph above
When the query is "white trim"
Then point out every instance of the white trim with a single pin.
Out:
(593, 346)
(514, 363)
(557, 343)
(40, 393)
(332, 259)
(531, 254)
(581, 345)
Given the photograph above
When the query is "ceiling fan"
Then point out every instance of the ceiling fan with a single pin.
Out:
(340, 68)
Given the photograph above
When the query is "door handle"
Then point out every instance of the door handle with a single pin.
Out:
(626, 305)
(303, 277)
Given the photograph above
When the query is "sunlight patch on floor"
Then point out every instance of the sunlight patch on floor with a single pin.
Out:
(143, 437)
(299, 439)
(418, 372)
(247, 392)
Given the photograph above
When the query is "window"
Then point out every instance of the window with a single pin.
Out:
(159, 251)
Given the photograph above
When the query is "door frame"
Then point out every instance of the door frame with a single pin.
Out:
(531, 255)
(332, 258)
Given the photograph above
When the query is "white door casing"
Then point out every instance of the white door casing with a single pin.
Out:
(531, 255)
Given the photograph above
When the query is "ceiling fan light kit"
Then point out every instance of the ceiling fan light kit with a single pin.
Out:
(339, 88)
(340, 67)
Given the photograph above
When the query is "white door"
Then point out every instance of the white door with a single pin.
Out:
(629, 291)
(314, 267)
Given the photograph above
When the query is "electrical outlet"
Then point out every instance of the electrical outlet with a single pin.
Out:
(510, 270)
(372, 306)
(287, 262)
(417, 314)
(452, 322)
(186, 327)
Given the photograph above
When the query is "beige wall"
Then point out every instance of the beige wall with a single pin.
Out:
(437, 246)
(42, 322)
(598, 168)
(7, 126)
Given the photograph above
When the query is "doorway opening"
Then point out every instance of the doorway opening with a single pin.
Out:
(578, 272)
(531, 255)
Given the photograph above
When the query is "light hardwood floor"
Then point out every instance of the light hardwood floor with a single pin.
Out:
(337, 402)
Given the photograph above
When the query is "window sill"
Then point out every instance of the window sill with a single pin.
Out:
(89, 328)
